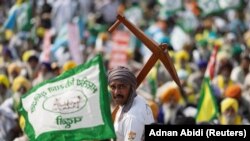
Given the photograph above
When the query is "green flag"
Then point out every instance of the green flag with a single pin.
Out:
(207, 104)
(73, 106)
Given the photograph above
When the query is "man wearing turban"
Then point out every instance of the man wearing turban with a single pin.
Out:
(13, 71)
(132, 112)
(31, 63)
(8, 110)
(171, 107)
(229, 111)
(44, 73)
(20, 86)
(69, 65)
(235, 91)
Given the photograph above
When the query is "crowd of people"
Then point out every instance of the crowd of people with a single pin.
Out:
(35, 46)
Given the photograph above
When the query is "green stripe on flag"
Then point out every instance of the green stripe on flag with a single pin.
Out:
(207, 105)
(73, 106)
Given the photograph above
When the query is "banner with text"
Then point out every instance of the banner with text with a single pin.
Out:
(73, 106)
(119, 51)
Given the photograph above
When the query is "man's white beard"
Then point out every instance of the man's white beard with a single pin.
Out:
(230, 119)
(169, 113)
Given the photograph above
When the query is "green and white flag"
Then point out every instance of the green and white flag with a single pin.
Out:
(215, 6)
(230, 4)
(74, 106)
(209, 6)
(171, 5)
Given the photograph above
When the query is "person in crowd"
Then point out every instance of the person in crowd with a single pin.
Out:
(56, 69)
(235, 91)
(222, 80)
(20, 86)
(195, 78)
(46, 15)
(8, 123)
(229, 112)
(14, 70)
(246, 89)
(230, 32)
(190, 96)
(4, 88)
(5, 55)
(44, 73)
(239, 73)
(9, 126)
(31, 63)
(132, 112)
(171, 106)
(182, 61)
(69, 65)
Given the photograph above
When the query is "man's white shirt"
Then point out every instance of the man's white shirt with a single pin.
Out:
(131, 126)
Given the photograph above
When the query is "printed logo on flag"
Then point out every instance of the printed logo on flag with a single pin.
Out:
(63, 104)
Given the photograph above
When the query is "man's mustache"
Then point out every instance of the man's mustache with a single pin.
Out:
(118, 96)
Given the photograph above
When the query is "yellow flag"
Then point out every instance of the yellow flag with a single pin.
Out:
(207, 106)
